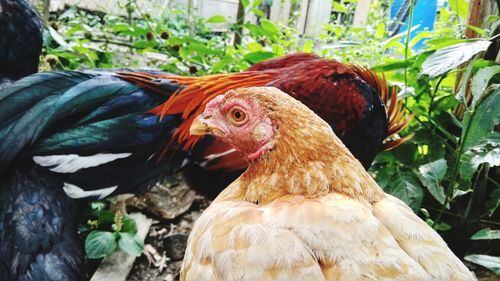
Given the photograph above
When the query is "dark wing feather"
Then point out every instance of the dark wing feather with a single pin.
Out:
(85, 114)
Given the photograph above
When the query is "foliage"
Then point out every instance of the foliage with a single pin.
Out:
(107, 231)
(445, 172)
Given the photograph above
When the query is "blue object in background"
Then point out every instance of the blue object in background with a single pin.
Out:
(424, 14)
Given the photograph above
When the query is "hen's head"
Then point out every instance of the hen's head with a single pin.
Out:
(257, 119)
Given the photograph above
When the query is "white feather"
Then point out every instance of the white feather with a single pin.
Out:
(71, 163)
(77, 192)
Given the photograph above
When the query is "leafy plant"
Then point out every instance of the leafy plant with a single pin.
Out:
(109, 231)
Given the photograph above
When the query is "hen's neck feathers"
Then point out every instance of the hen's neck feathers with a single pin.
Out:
(307, 159)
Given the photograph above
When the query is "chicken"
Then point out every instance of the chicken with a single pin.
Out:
(38, 238)
(94, 134)
(20, 40)
(305, 209)
(351, 99)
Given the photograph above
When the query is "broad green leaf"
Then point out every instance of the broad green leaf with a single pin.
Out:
(480, 140)
(431, 175)
(99, 244)
(217, 19)
(256, 57)
(481, 80)
(482, 120)
(446, 59)
(490, 262)
(270, 27)
(254, 47)
(486, 234)
(130, 243)
(405, 186)
(106, 217)
(128, 225)
(486, 152)
(258, 12)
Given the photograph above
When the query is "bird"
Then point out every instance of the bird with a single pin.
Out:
(305, 208)
(352, 99)
(21, 39)
(93, 134)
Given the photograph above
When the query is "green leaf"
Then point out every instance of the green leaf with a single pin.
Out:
(245, 3)
(128, 225)
(258, 12)
(339, 7)
(486, 152)
(460, 7)
(57, 37)
(431, 175)
(486, 234)
(480, 140)
(392, 66)
(256, 57)
(481, 80)
(99, 244)
(476, 29)
(308, 45)
(270, 27)
(129, 243)
(405, 186)
(446, 59)
(490, 262)
(106, 217)
(217, 19)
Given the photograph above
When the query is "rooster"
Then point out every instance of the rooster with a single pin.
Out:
(20, 40)
(94, 134)
(305, 209)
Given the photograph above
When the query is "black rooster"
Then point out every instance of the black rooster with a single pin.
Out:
(94, 134)
(20, 40)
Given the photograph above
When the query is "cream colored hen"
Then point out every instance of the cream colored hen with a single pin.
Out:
(305, 209)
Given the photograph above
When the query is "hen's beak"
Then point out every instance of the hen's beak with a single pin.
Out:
(199, 127)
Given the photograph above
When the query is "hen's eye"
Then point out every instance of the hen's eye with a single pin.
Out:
(237, 116)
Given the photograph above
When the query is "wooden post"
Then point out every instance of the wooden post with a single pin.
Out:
(361, 13)
(240, 19)
(318, 13)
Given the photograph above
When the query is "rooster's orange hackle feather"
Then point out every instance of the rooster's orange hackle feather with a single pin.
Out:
(196, 92)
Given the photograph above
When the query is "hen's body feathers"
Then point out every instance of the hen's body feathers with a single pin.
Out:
(305, 209)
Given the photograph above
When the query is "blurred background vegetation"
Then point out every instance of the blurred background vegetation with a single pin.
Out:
(448, 76)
